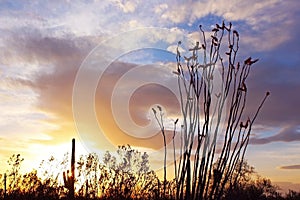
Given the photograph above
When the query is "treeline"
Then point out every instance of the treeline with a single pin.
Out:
(125, 174)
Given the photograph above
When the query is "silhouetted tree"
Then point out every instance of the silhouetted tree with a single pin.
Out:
(250, 186)
(51, 171)
(292, 195)
(14, 176)
(88, 168)
(127, 175)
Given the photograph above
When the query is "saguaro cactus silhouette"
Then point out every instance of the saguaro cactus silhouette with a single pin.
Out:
(69, 177)
(4, 182)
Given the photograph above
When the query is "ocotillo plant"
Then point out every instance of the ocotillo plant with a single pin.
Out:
(206, 164)
(162, 128)
(69, 179)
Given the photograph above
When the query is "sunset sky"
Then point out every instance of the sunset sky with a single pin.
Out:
(53, 86)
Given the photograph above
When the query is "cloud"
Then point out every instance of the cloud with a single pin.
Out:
(176, 14)
(103, 17)
(279, 109)
(37, 71)
(65, 55)
(54, 87)
(279, 112)
(287, 134)
(127, 6)
(290, 167)
(260, 20)
(48, 70)
(160, 8)
(44, 44)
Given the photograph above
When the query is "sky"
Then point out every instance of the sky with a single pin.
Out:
(78, 69)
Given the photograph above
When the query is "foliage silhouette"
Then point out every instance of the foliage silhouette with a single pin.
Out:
(125, 174)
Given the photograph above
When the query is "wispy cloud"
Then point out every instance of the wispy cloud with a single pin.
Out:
(290, 167)
(287, 134)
